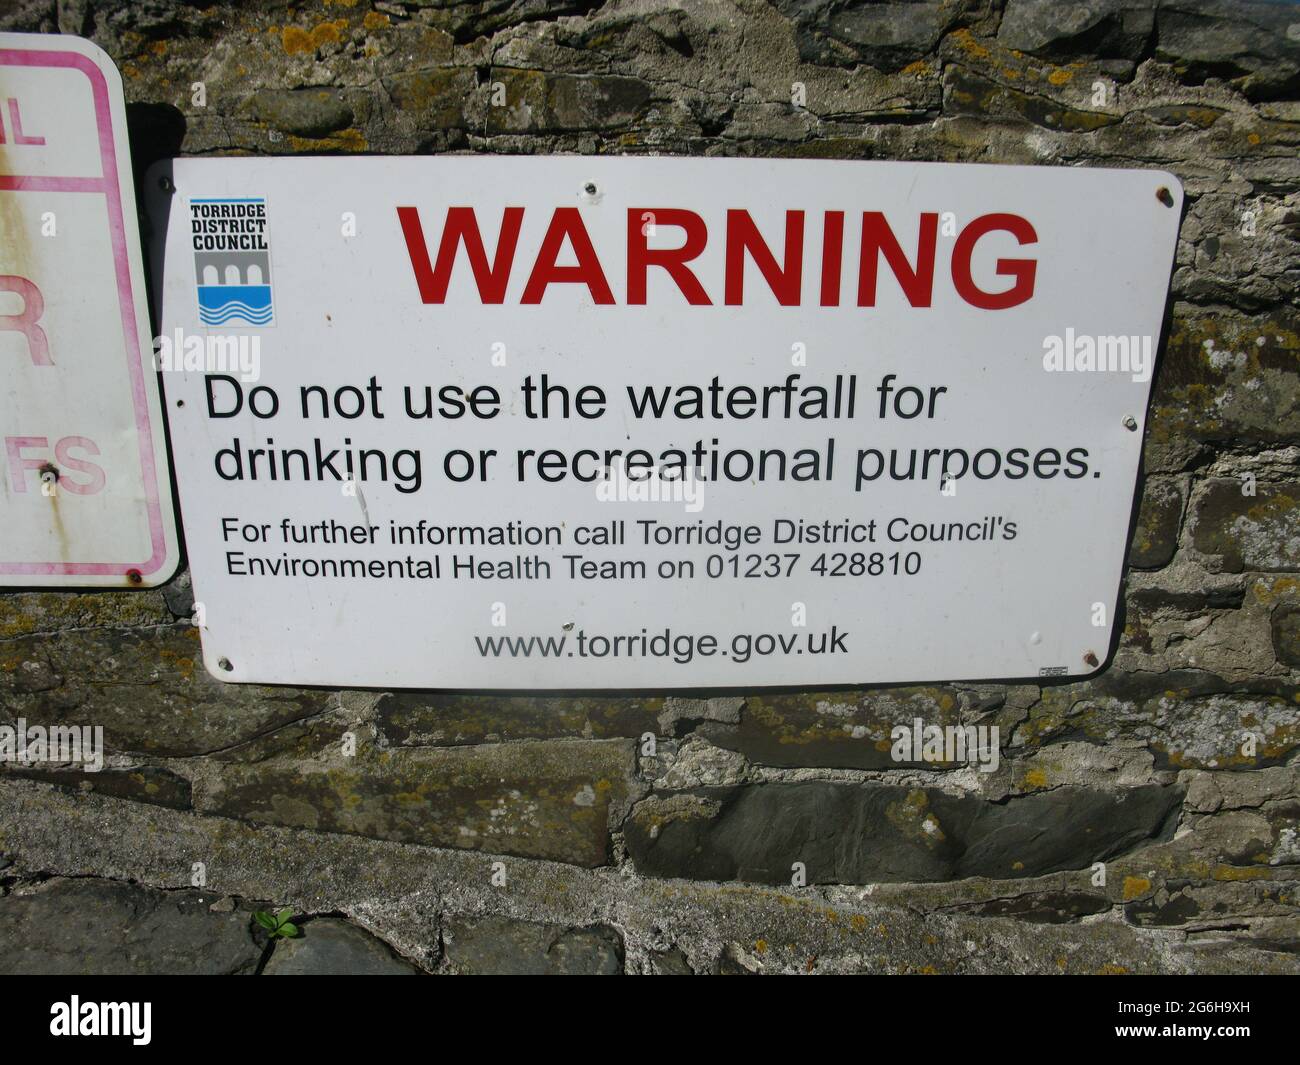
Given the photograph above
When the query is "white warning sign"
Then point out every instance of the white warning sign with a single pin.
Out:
(561, 423)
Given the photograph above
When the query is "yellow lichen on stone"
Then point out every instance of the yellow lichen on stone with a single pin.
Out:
(1237, 872)
(347, 140)
(1135, 887)
(1267, 592)
(965, 40)
(294, 39)
(329, 33)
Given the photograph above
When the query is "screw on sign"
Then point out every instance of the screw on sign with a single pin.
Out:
(83, 464)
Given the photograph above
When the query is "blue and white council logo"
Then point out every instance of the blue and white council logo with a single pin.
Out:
(232, 260)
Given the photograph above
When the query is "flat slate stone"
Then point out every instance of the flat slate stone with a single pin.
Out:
(105, 928)
(548, 799)
(885, 36)
(440, 719)
(1260, 531)
(329, 946)
(832, 729)
(1114, 28)
(146, 783)
(1285, 625)
(854, 834)
(305, 112)
(147, 688)
(1155, 535)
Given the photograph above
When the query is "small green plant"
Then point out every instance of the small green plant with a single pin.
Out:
(278, 926)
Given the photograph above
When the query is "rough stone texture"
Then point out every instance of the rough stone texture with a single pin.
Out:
(306, 112)
(492, 946)
(145, 784)
(1286, 635)
(516, 832)
(1184, 719)
(1259, 531)
(882, 35)
(95, 928)
(1252, 42)
(330, 947)
(854, 834)
(1155, 537)
(147, 687)
(840, 730)
(407, 895)
(413, 719)
(1114, 28)
(539, 800)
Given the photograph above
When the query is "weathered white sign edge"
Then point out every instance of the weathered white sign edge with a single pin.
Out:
(144, 418)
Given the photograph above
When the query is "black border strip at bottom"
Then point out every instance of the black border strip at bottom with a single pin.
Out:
(1152, 1013)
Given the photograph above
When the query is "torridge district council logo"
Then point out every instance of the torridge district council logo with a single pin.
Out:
(232, 260)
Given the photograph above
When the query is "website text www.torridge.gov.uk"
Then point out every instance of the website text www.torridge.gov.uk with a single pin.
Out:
(680, 648)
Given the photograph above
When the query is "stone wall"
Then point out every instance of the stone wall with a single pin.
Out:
(475, 833)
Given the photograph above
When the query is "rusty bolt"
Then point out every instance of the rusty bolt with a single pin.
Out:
(1090, 658)
(1165, 196)
(134, 576)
